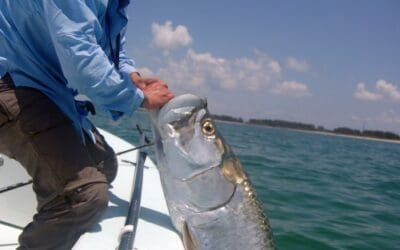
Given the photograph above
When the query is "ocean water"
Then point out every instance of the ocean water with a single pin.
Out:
(319, 191)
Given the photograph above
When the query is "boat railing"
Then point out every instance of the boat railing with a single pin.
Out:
(128, 232)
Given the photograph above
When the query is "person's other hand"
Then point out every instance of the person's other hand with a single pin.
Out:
(156, 95)
(156, 92)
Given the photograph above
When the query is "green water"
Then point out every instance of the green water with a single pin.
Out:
(320, 192)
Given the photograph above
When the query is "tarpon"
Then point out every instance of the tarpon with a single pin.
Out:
(210, 198)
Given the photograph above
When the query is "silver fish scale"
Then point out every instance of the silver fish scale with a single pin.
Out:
(238, 225)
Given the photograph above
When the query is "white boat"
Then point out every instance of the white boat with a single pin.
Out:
(154, 228)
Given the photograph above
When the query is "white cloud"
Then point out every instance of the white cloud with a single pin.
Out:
(363, 94)
(297, 65)
(275, 66)
(383, 91)
(259, 72)
(166, 37)
(205, 71)
(389, 90)
(291, 88)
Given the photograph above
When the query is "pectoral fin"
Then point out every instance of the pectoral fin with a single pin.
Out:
(187, 238)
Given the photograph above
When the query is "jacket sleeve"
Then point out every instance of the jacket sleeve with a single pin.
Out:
(75, 30)
(126, 64)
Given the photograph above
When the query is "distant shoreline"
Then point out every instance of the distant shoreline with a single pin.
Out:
(327, 133)
(350, 136)
(310, 128)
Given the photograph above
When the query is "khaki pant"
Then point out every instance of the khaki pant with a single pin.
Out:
(70, 178)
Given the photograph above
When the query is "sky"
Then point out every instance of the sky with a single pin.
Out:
(330, 63)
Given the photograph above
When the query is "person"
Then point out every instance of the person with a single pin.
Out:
(50, 51)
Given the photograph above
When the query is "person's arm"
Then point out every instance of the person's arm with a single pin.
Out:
(74, 31)
(155, 91)
(127, 65)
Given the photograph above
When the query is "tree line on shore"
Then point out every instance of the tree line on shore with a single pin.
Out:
(311, 127)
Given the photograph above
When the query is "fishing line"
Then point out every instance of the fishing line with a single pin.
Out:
(135, 148)
(146, 140)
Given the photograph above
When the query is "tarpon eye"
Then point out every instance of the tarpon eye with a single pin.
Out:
(208, 128)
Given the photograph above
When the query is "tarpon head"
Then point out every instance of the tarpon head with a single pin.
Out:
(193, 159)
(209, 196)
(188, 136)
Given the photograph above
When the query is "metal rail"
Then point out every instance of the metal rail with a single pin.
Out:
(14, 186)
(128, 232)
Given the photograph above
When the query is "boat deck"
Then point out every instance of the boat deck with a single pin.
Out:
(155, 230)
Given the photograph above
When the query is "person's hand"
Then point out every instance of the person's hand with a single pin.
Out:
(156, 92)
(141, 83)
